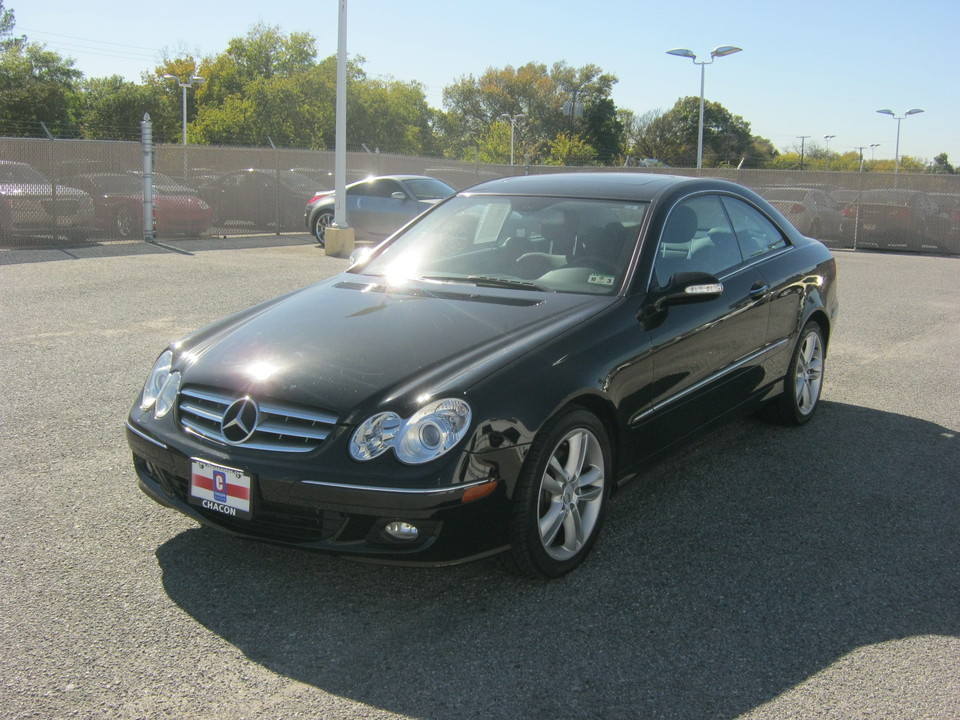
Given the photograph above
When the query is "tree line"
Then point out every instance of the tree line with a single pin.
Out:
(272, 88)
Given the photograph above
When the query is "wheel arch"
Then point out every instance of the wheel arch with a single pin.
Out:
(819, 316)
(603, 409)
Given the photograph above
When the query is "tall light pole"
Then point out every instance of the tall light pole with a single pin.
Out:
(873, 146)
(194, 80)
(721, 51)
(513, 121)
(896, 154)
(827, 139)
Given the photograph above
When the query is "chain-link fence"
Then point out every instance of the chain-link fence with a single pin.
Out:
(56, 191)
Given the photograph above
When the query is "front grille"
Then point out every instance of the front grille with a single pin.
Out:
(280, 428)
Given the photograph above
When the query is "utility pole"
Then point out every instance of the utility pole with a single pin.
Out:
(802, 139)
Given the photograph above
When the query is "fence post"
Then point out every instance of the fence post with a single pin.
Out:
(146, 144)
(55, 229)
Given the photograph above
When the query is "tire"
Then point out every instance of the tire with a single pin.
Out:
(127, 222)
(321, 221)
(561, 496)
(804, 380)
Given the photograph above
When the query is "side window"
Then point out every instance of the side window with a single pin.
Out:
(755, 233)
(383, 188)
(697, 237)
(362, 189)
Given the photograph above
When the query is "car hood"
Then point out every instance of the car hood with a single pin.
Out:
(350, 345)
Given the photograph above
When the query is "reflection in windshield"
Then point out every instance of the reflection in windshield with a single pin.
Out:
(553, 244)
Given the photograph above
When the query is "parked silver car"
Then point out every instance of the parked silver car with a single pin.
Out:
(813, 211)
(31, 205)
(377, 206)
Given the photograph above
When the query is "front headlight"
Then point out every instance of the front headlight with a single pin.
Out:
(160, 390)
(156, 380)
(430, 433)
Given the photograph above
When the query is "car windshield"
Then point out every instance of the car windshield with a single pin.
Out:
(296, 181)
(527, 243)
(429, 189)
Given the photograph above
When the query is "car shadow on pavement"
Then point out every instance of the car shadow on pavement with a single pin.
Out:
(725, 577)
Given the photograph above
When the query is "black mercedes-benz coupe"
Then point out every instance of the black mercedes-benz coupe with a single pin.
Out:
(484, 379)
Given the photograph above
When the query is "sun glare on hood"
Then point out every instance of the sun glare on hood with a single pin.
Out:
(261, 370)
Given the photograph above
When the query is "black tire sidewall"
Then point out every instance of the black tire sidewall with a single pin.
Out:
(315, 225)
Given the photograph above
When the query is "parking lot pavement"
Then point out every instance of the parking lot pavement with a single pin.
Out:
(768, 573)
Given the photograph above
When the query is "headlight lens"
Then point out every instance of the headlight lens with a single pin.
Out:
(156, 380)
(168, 395)
(427, 435)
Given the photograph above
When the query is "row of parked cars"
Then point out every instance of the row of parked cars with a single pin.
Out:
(884, 218)
(108, 203)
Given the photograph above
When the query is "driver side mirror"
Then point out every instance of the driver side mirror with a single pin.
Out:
(688, 287)
(683, 288)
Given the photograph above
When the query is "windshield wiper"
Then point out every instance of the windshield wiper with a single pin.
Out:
(488, 281)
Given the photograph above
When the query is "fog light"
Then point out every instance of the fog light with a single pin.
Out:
(401, 530)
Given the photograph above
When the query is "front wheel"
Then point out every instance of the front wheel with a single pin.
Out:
(561, 495)
(321, 221)
(804, 381)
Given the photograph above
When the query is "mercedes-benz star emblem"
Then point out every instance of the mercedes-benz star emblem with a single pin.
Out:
(240, 421)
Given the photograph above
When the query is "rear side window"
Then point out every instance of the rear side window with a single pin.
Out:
(755, 233)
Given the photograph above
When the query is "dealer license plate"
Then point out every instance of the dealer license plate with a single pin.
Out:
(221, 489)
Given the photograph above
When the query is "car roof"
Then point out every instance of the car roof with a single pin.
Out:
(613, 185)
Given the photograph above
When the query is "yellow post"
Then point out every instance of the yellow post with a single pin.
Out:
(339, 242)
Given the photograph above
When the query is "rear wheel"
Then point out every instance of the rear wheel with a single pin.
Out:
(804, 380)
(321, 221)
(561, 495)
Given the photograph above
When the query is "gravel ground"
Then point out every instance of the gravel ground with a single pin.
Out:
(764, 573)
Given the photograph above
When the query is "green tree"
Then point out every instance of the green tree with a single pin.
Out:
(112, 108)
(727, 140)
(570, 151)
(7, 23)
(390, 115)
(551, 102)
(36, 85)
(941, 165)
(604, 131)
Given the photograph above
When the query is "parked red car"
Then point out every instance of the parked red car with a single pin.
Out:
(118, 200)
(899, 220)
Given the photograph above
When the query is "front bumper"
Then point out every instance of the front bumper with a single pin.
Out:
(341, 519)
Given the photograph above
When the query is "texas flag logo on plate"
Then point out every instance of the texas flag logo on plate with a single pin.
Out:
(221, 489)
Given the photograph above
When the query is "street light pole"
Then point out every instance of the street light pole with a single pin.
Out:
(721, 51)
(896, 154)
(513, 120)
(193, 80)
(828, 138)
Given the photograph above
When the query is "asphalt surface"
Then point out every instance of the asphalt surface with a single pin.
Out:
(763, 573)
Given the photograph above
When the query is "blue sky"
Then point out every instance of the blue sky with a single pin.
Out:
(814, 68)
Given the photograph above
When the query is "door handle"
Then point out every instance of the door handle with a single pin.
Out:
(759, 288)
